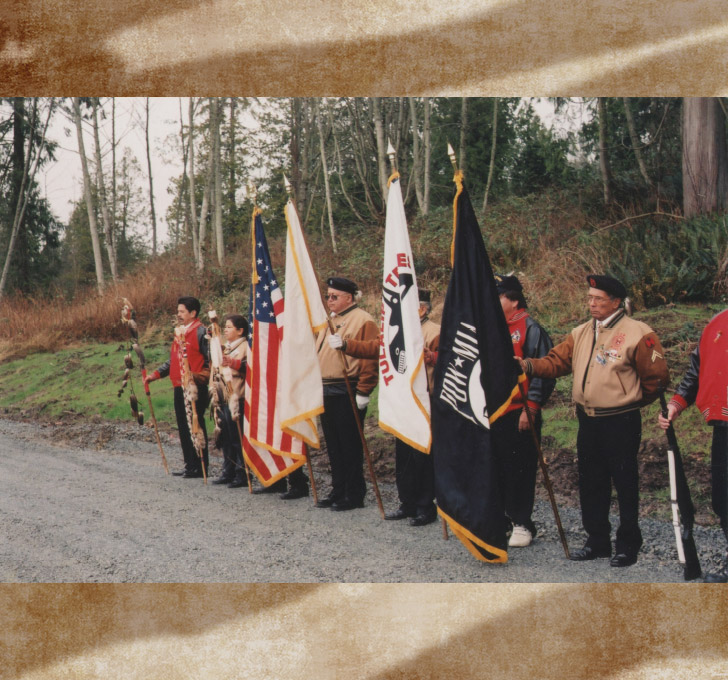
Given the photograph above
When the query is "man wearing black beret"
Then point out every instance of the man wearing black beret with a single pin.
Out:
(343, 444)
(530, 341)
(618, 366)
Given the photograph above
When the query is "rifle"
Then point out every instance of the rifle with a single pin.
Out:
(682, 504)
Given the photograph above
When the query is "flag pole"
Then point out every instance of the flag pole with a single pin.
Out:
(352, 400)
(314, 492)
(544, 468)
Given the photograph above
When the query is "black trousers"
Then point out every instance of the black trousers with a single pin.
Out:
(520, 465)
(719, 473)
(192, 460)
(232, 453)
(607, 453)
(415, 475)
(343, 443)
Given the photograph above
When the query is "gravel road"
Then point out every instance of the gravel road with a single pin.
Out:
(91, 503)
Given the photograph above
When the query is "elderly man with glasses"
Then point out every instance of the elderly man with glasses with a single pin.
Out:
(343, 444)
(618, 366)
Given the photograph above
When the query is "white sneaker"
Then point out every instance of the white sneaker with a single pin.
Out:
(520, 538)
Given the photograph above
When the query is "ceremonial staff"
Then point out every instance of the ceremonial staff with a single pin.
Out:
(352, 399)
(223, 374)
(681, 501)
(128, 318)
(189, 388)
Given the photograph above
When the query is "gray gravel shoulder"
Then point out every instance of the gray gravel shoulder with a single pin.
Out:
(91, 503)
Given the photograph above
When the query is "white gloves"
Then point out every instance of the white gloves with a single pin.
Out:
(335, 341)
(362, 401)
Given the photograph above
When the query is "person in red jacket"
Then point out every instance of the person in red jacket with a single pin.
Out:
(706, 385)
(196, 345)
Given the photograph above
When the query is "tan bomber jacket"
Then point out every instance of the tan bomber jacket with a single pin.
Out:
(353, 323)
(622, 370)
(238, 350)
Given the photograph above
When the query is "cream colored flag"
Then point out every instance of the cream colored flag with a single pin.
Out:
(301, 393)
(404, 405)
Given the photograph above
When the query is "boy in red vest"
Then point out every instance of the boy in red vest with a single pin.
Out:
(196, 346)
(706, 385)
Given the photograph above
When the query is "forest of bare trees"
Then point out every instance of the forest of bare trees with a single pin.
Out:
(615, 158)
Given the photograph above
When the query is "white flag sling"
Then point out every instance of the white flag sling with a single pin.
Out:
(305, 316)
(404, 405)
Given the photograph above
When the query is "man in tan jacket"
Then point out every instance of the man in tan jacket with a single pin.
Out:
(618, 366)
(346, 455)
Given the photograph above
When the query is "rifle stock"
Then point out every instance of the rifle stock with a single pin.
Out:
(678, 481)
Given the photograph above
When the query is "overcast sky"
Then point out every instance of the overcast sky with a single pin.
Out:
(62, 181)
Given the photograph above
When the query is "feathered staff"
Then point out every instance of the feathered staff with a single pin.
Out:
(190, 393)
(128, 318)
(222, 384)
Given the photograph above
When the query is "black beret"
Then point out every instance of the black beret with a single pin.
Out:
(342, 284)
(424, 295)
(608, 284)
(506, 284)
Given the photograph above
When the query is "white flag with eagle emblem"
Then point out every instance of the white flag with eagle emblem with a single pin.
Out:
(404, 404)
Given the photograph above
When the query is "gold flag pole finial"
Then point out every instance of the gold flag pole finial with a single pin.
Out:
(253, 193)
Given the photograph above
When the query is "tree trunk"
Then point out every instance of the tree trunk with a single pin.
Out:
(416, 160)
(428, 153)
(113, 164)
(635, 141)
(23, 175)
(463, 133)
(604, 165)
(231, 159)
(325, 169)
(109, 236)
(151, 183)
(704, 161)
(196, 245)
(491, 166)
(215, 107)
(88, 195)
(381, 147)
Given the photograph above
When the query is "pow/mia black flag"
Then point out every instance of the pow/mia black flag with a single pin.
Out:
(475, 380)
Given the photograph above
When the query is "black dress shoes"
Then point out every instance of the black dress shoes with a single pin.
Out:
(346, 504)
(294, 492)
(400, 513)
(237, 483)
(589, 553)
(222, 480)
(192, 474)
(623, 560)
(326, 502)
(423, 518)
(178, 473)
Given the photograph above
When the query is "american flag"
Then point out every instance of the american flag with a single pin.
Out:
(271, 453)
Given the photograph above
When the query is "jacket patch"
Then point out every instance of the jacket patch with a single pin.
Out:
(649, 343)
(618, 340)
(604, 356)
(516, 337)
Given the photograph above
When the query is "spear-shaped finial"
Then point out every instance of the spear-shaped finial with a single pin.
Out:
(287, 185)
(253, 192)
(391, 153)
(451, 155)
